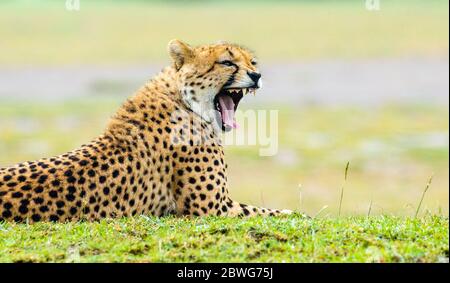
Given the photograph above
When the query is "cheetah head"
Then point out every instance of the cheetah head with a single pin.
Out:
(212, 79)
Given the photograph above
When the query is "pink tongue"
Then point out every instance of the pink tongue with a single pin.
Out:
(227, 107)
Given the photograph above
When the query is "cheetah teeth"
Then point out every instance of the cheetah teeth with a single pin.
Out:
(245, 91)
(233, 90)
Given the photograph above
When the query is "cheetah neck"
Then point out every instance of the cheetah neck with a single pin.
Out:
(148, 108)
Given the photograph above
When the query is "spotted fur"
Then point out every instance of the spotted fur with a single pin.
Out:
(158, 155)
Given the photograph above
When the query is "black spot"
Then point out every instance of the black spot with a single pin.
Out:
(53, 194)
(71, 189)
(6, 178)
(38, 200)
(6, 214)
(36, 217)
(23, 209)
(73, 210)
(17, 195)
(54, 218)
(21, 178)
(43, 208)
(83, 162)
(18, 219)
(36, 190)
(70, 197)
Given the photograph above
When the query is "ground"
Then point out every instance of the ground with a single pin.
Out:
(212, 239)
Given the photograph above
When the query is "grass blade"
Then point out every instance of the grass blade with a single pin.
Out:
(370, 207)
(300, 196)
(342, 189)
(423, 195)
(320, 211)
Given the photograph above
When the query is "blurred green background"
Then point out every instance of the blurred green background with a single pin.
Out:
(312, 54)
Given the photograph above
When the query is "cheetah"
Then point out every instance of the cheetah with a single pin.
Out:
(160, 153)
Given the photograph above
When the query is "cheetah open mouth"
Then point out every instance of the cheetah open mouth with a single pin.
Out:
(226, 103)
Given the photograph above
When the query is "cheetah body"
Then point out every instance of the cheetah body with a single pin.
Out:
(158, 155)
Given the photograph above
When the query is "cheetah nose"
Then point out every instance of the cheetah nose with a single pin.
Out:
(254, 76)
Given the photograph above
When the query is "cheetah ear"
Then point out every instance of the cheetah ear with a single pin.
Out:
(180, 52)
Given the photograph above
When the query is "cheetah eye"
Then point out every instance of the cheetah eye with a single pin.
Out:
(226, 63)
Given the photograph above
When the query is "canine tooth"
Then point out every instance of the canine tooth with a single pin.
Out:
(244, 91)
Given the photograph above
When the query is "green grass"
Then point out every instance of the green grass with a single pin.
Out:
(136, 32)
(213, 239)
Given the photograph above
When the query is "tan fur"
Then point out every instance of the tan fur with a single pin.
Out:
(144, 163)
